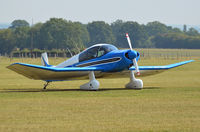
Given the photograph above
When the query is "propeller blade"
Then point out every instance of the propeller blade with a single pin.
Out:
(129, 41)
(134, 60)
(136, 67)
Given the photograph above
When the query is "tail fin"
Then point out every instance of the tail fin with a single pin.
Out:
(44, 59)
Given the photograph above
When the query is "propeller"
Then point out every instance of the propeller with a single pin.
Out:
(134, 60)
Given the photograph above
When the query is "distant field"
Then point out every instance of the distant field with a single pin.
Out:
(169, 53)
(170, 101)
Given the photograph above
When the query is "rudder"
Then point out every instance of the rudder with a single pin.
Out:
(44, 59)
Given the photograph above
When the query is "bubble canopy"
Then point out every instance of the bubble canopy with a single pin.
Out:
(96, 51)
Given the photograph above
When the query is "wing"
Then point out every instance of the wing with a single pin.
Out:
(51, 73)
(150, 70)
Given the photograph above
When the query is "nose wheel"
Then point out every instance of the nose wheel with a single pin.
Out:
(134, 83)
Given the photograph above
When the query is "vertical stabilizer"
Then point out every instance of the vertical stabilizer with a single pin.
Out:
(44, 59)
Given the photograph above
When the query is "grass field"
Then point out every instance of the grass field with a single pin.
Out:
(170, 101)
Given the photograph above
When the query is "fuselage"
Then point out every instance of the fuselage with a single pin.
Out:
(112, 60)
(106, 56)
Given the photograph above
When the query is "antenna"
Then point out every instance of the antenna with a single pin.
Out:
(32, 39)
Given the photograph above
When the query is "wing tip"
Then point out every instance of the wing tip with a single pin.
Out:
(12, 65)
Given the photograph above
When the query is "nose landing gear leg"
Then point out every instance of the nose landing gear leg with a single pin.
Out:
(134, 83)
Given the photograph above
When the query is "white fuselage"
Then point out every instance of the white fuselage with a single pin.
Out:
(69, 62)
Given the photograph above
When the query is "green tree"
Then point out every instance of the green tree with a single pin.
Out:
(7, 41)
(136, 33)
(19, 23)
(184, 28)
(34, 36)
(154, 28)
(192, 32)
(22, 37)
(84, 34)
(176, 30)
(176, 40)
(61, 34)
(100, 32)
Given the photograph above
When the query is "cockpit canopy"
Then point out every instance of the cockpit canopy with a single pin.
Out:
(96, 51)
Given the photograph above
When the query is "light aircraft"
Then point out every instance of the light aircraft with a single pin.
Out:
(97, 61)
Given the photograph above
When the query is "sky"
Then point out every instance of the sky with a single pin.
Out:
(141, 11)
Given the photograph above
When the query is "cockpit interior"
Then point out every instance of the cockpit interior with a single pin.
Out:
(96, 51)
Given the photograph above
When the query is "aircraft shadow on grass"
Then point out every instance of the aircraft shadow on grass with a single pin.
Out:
(58, 90)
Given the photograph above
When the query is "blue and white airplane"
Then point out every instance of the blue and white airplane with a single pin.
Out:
(97, 61)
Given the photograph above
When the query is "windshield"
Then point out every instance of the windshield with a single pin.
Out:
(96, 51)
(109, 48)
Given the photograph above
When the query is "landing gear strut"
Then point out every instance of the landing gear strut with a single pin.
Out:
(93, 84)
(46, 84)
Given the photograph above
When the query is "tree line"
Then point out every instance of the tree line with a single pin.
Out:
(61, 34)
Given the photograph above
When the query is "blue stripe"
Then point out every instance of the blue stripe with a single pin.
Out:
(61, 69)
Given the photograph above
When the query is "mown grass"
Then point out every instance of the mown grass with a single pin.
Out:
(170, 101)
